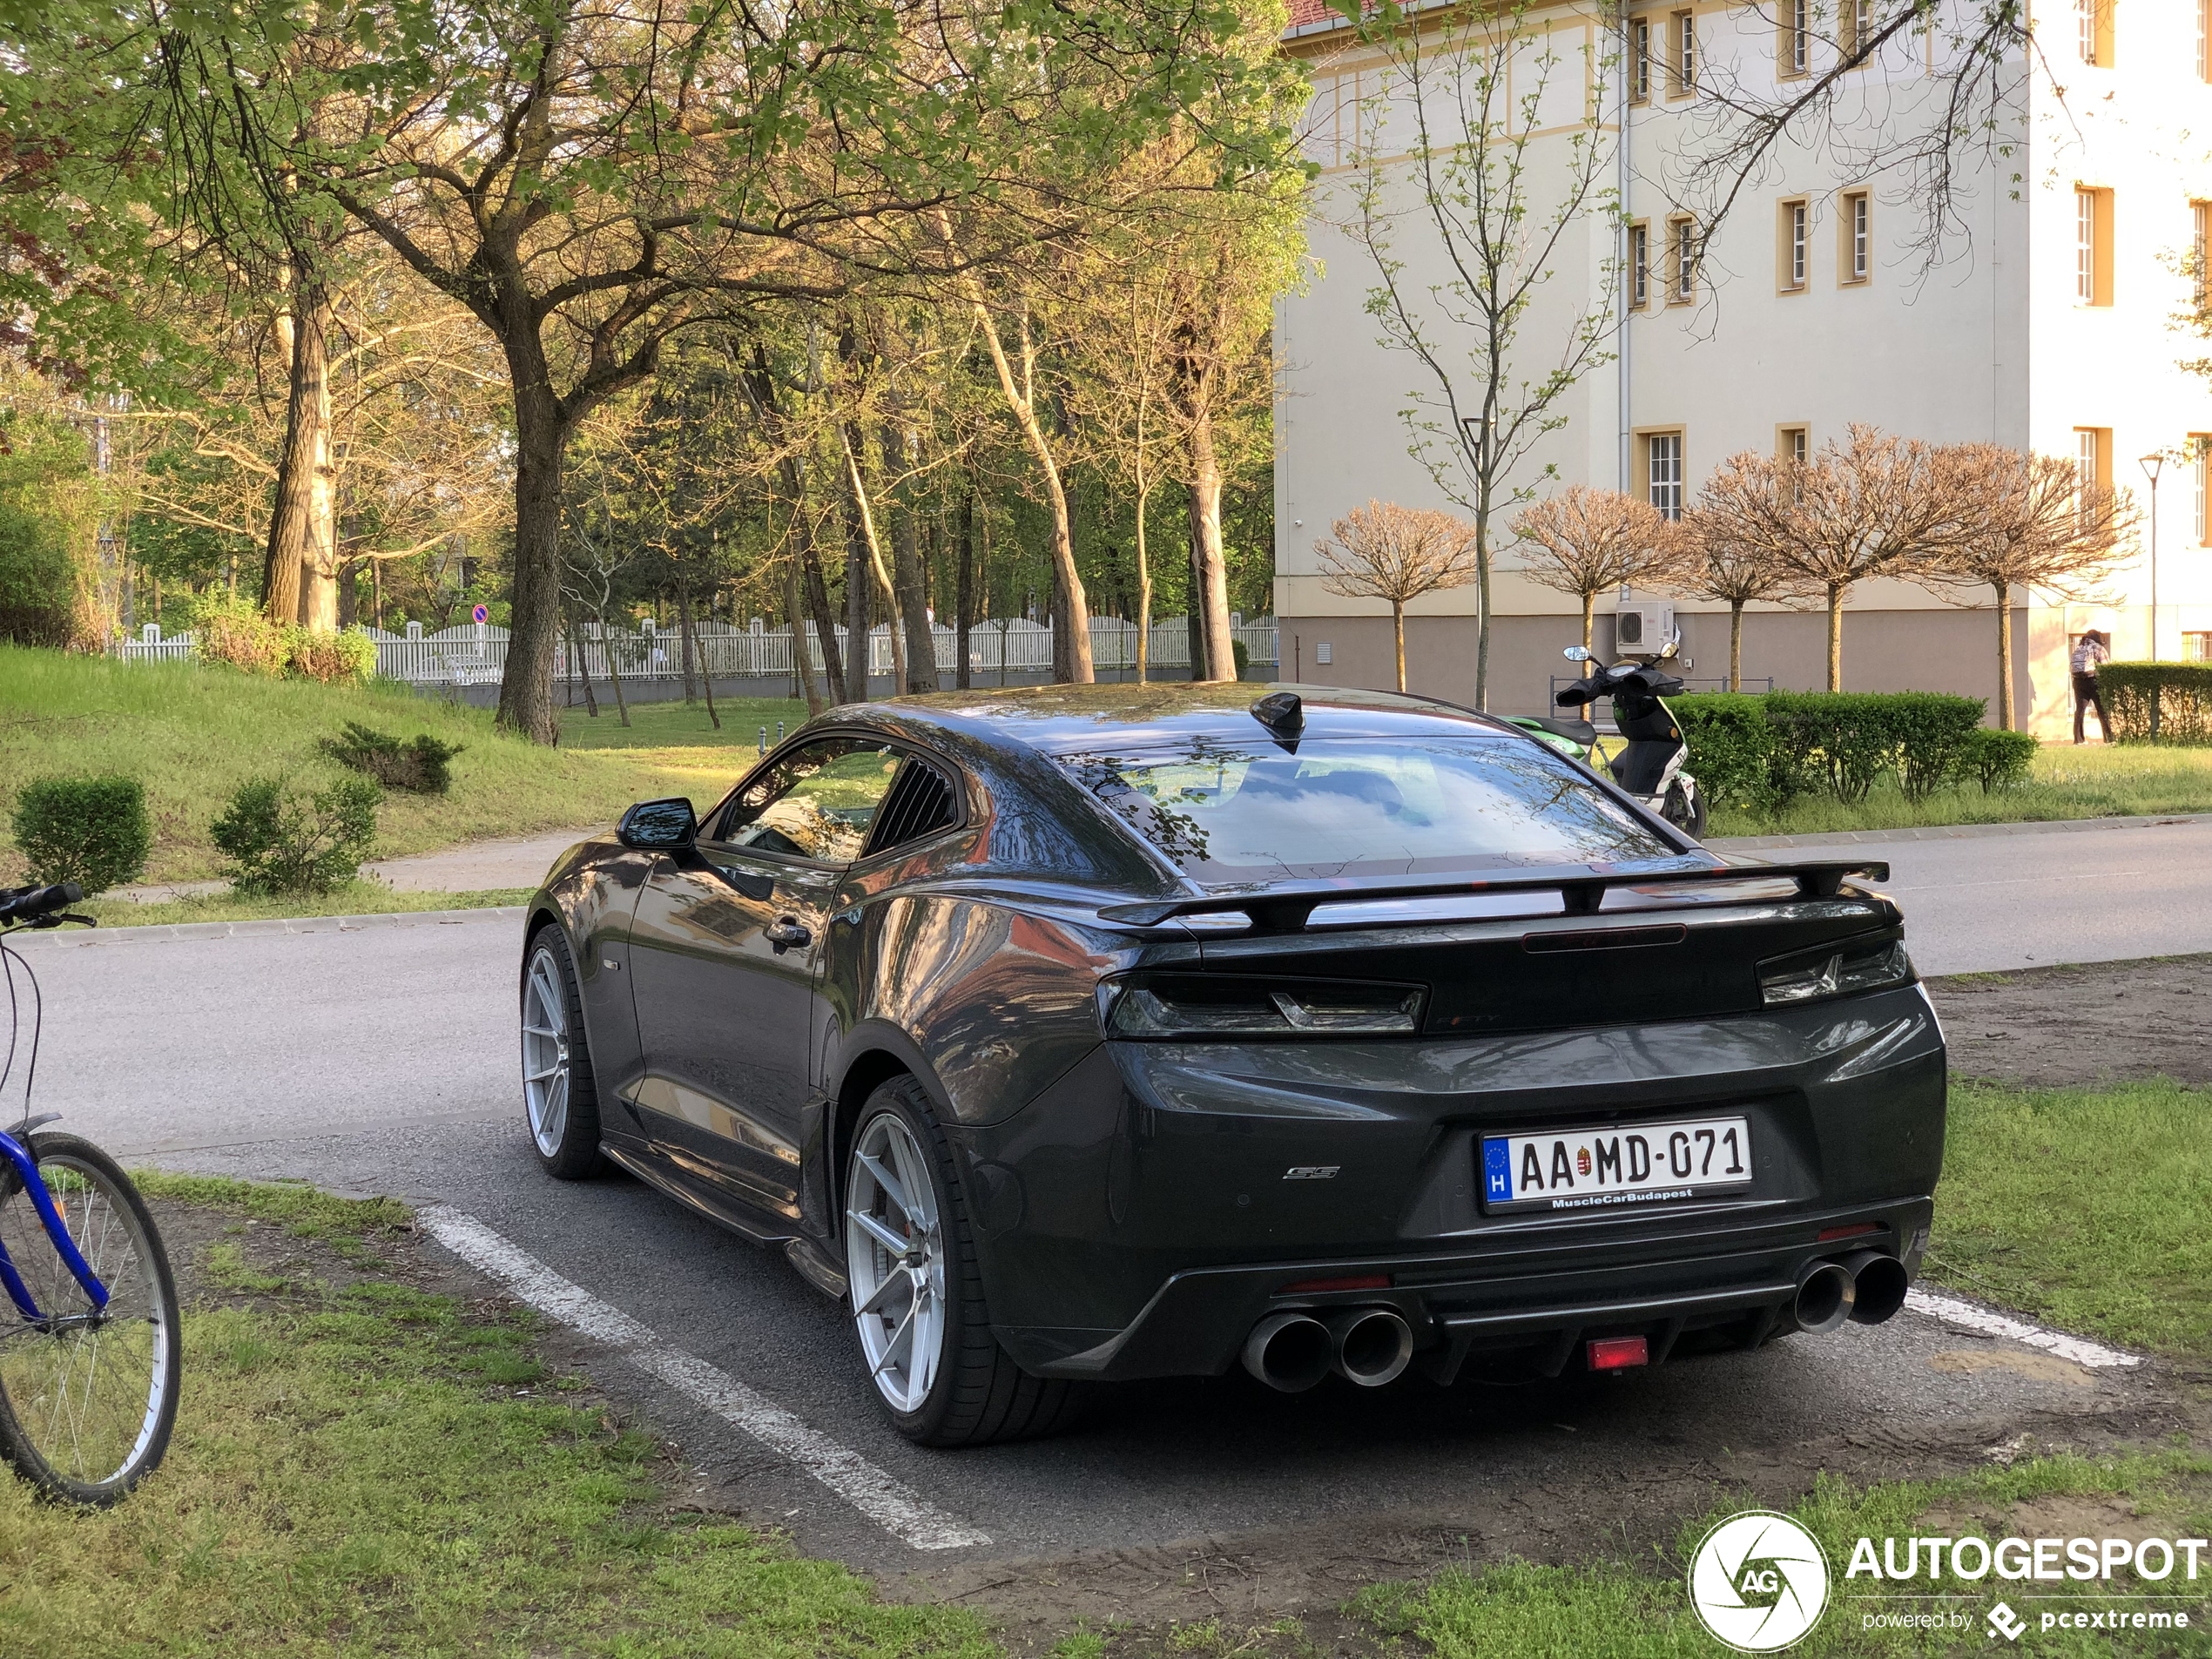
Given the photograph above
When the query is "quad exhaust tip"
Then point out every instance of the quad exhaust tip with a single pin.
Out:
(1373, 1345)
(1878, 1285)
(1824, 1297)
(1290, 1352)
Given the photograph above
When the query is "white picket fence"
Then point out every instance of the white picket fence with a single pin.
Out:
(476, 653)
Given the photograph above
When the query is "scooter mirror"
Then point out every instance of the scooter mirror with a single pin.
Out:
(1670, 648)
(1575, 654)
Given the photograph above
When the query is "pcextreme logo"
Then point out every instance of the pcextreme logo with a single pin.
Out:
(1759, 1581)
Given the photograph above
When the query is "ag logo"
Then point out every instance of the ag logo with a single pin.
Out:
(1759, 1581)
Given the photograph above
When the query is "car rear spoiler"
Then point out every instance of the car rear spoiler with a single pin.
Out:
(1285, 910)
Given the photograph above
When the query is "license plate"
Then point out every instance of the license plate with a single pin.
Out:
(1617, 1167)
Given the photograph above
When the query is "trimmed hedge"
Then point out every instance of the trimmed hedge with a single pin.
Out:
(1762, 752)
(93, 831)
(2158, 702)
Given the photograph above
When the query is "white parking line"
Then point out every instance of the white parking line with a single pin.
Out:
(1966, 1314)
(896, 1506)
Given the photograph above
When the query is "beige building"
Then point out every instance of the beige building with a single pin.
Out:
(2049, 321)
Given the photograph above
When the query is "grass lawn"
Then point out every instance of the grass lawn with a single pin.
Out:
(192, 733)
(355, 899)
(2090, 782)
(2124, 1169)
(673, 725)
(363, 1466)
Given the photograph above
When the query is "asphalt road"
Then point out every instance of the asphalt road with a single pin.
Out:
(383, 1060)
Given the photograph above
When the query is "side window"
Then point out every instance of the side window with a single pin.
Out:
(818, 802)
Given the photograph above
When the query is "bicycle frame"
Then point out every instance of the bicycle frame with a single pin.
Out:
(50, 1217)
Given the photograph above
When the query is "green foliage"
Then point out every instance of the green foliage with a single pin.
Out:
(278, 842)
(1997, 760)
(233, 630)
(420, 763)
(91, 831)
(2158, 702)
(330, 658)
(47, 512)
(1764, 752)
(1243, 656)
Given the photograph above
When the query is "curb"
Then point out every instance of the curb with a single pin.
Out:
(1948, 833)
(157, 932)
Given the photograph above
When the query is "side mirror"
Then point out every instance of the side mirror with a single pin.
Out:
(1575, 654)
(1671, 647)
(659, 826)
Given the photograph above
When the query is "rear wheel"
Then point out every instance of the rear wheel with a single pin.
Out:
(88, 1396)
(917, 1295)
(557, 1091)
(1685, 808)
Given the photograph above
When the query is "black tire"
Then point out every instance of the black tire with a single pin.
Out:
(979, 1396)
(1685, 809)
(85, 1428)
(567, 1146)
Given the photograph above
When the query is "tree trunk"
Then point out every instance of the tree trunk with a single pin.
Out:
(583, 664)
(1398, 628)
(1144, 591)
(686, 658)
(802, 670)
(1736, 645)
(1071, 610)
(349, 593)
(614, 667)
(1835, 637)
(302, 335)
(964, 593)
(1589, 619)
(1210, 567)
(858, 649)
(319, 559)
(541, 442)
(818, 602)
(911, 590)
(2004, 656)
(854, 451)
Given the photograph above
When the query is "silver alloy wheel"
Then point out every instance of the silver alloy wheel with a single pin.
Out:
(545, 1050)
(894, 1257)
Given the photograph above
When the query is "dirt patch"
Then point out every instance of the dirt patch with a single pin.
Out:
(2092, 1023)
(2043, 1367)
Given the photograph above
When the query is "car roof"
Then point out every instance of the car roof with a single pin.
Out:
(1070, 719)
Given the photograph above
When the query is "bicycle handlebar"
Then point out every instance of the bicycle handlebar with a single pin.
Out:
(27, 904)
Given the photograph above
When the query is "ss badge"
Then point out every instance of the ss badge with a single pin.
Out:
(1311, 1171)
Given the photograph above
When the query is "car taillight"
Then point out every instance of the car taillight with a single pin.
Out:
(1834, 973)
(1202, 1006)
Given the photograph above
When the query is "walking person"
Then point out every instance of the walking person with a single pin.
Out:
(2090, 649)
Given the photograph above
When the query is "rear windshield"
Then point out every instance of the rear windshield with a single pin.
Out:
(1230, 812)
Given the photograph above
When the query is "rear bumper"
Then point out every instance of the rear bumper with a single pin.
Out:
(1732, 1281)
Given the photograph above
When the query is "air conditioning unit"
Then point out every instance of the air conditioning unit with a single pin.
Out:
(1643, 628)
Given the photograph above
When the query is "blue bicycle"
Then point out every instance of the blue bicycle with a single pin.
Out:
(89, 1367)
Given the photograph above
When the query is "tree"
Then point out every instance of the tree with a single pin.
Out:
(1588, 540)
(1501, 195)
(2029, 522)
(1875, 507)
(1386, 551)
(1713, 562)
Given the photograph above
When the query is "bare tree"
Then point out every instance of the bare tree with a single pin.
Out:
(1501, 198)
(1386, 551)
(2030, 522)
(1713, 562)
(1586, 541)
(1872, 507)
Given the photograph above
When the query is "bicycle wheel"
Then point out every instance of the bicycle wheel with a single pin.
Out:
(88, 1400)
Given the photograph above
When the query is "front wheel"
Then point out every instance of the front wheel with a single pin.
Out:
(1685, 808)
(88, 1395)
(917, 1295)
(558, 1094)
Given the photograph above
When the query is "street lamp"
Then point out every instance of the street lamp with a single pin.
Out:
(2151, 464)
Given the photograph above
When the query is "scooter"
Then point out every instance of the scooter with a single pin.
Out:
(1650, 768)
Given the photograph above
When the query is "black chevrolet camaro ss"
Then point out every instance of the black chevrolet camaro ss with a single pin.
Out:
(1086, 1034)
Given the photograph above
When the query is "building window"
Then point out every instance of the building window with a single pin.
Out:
(1793, 443)
(1855, 227)
(2093, 31)
(1682, 66)
(1796, 46)
(1792, 245)
(2092, 246)
(1640, 60)
(2204, 40)
(2093, 460)
(1681, 261)
(2200, 464)
(1858, 24)
(1663, 468)
(1638, 266)
(2196, 648)
(2200, 247)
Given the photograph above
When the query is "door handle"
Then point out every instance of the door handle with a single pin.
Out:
(788, 933)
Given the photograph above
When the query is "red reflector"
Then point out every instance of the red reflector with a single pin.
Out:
(1317, 1286)
(1830, 1233)
(1611, 1353)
